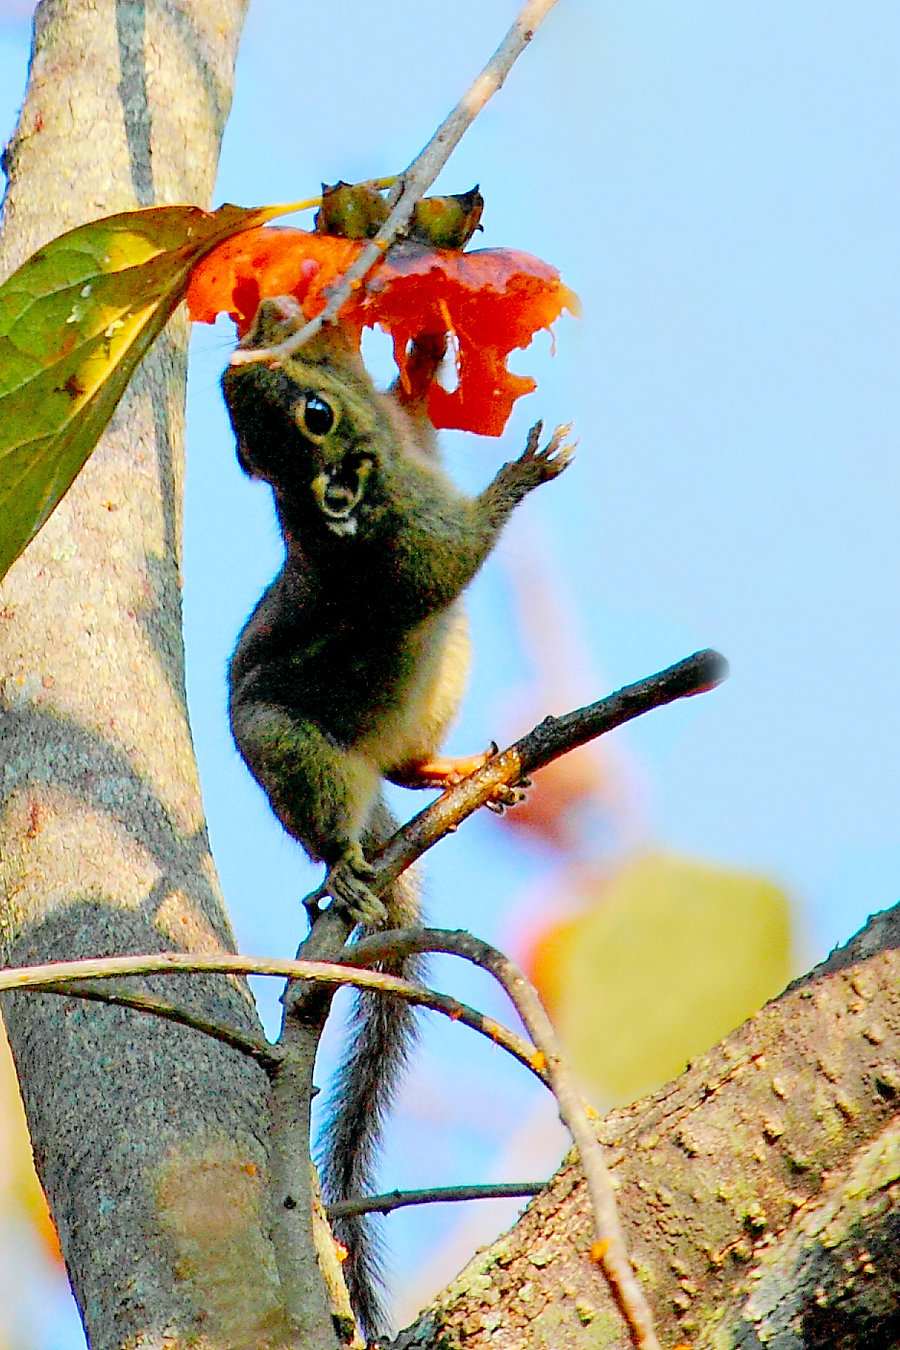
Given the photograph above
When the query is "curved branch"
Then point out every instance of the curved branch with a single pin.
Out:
(54, 976)
(609, 1250)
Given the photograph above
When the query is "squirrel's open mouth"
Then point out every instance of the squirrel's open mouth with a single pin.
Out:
(339, 491)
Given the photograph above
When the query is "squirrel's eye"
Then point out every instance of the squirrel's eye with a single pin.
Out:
(318, 415)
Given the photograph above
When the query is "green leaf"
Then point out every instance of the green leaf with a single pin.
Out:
(75, 320)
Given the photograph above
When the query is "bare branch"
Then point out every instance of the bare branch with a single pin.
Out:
(435, 1195)
(554, 737)
(52, 976)
(411, 186)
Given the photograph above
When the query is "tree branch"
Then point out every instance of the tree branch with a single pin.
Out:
(443, 1195)
(53, 977)
(551, 739)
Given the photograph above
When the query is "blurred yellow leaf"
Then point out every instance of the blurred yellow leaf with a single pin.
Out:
(668, 956)
(75, 320)
(20, 1189)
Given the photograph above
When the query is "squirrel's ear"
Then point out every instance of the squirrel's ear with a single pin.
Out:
(275, 320)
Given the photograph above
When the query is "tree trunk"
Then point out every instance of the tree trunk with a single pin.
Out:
(760, 1192)
(151, 1141)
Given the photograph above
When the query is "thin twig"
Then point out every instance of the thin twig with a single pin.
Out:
(53, 974)
(268, 1056)
(412, 185)
(610, 1250)
(554, 737)
(435, 1195)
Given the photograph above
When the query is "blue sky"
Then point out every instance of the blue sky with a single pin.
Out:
(718, 181)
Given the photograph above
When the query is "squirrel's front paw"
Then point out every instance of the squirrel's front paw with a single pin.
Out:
(539, 466)
(348, 883)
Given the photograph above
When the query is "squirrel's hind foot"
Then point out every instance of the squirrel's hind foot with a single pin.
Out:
(349, 884)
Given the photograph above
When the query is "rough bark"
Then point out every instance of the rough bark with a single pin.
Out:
(151, 1141)
(760, 1191)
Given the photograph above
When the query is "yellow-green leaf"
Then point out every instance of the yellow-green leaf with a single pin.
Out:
(75, 320)
(667, 957)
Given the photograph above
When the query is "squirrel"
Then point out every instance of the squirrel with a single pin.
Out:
(352, 665)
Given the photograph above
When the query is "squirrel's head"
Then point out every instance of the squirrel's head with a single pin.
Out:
(311, 424)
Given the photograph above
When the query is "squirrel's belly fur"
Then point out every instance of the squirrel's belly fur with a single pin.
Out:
(412, 729)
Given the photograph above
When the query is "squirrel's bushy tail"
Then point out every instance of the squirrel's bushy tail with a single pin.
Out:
(381, 1032)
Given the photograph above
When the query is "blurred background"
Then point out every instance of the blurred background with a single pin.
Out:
(718, 181)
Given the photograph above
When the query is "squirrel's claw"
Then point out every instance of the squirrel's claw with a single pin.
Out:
(556, 455)
(508, 795)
